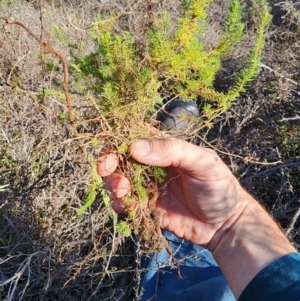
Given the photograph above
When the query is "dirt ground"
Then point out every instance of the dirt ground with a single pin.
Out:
(47, 251)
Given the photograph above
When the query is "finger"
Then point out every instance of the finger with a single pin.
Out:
(118, 185)
(118, 205)
(165, 152)
(107, 164)
(124, 204)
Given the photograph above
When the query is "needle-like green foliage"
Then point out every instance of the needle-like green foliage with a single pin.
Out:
(126, 76)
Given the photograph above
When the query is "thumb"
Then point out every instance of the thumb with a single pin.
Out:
(173, 152)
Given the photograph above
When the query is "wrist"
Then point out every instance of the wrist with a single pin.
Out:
(247, 242)
(242, 200)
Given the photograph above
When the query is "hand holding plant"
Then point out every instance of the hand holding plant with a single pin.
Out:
(198, 196)
(201, 201)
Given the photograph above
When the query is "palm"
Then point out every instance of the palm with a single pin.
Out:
(200, 193)
(187, 206)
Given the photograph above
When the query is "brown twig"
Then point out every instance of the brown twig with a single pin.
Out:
(47, 47)
(245, 159)
(84, 261)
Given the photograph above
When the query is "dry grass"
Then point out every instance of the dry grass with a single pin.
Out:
(56, 254)
(47, 251)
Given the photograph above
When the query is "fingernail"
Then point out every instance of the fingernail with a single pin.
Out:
(142, 148)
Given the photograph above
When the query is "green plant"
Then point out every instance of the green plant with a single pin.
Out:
(94, 189)
(289, 144)
(123, 228)
(123, 73)
(126, 77)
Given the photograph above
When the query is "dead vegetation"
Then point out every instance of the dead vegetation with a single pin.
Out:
(47, 251)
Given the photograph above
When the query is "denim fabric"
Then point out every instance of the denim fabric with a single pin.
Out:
(279, 281)
(202, 278)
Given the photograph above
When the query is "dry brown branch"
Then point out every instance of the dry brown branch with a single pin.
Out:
(47, 48)
(92, 252)
(245, 159)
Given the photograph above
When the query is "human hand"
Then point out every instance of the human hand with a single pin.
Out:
(202, 201)
(200, 193)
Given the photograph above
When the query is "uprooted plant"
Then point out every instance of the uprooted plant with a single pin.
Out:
(127, 78)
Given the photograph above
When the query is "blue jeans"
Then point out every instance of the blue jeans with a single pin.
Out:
(202, 280)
